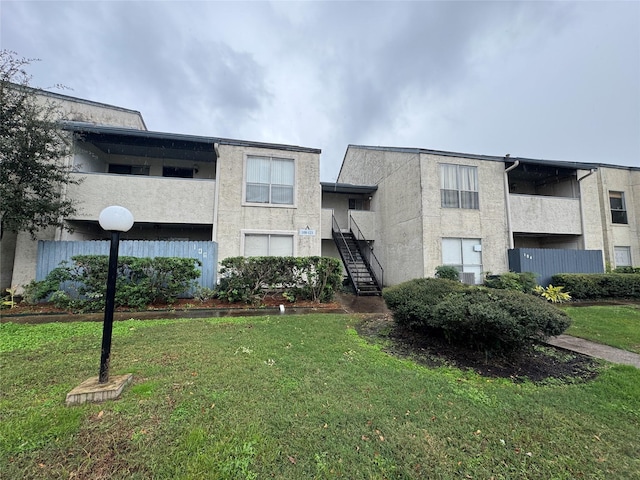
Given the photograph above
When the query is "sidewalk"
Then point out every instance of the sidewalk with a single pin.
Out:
(596, 350)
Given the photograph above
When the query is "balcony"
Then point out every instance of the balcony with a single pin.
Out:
(544, 214)
(150, 199)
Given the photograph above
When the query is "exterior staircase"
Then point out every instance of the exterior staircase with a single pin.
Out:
(356, 264)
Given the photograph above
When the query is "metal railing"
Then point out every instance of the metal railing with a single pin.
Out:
(377, 272)
(348, 257)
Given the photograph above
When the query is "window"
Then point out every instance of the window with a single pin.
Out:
(618, 209)
(270, 180)
(355, 204)
(622, 256)
(465, 254)
(128, 169)
(459, 186)
(268, 245)
(177, 172)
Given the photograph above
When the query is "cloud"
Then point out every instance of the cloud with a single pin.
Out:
(538, 79)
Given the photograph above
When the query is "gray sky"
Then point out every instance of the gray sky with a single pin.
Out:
(547, 80)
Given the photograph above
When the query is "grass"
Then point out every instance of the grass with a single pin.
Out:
(292, 397)
(617, 326)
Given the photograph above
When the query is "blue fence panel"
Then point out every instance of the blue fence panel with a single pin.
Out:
(546, 262)
(51, 253)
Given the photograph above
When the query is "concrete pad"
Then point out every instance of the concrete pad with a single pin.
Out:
(92, 391)
(596, 350)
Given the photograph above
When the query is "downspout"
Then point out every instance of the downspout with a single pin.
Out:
(508, 203)
(582, 220)
(214, 227)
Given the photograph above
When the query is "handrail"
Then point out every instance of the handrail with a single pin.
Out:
(377, 272)
(355, 277)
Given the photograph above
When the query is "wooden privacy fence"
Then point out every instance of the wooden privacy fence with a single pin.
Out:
(546, 262)
(51, 253)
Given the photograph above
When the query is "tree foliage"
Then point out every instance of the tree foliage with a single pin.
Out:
(33, 153)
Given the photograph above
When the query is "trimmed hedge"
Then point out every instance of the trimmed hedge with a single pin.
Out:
(589, 286)
(81, 284)
(250, 279)
(486, 319)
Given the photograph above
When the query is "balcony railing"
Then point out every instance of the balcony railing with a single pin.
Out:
(150, 199)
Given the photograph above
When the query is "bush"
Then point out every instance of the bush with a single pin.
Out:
(412, 302)
(487, 319)
(520, 282)
(497, 320)
(627, 270)
(447, 272)
(590, 286)
(140, 281)
(251, 279)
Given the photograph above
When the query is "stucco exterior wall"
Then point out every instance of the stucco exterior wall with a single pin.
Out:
(80, 110)
(26, 253)
(234, 217)
(150, 199)
(338, 204)
(396, 206)
(615, 234)
(488, 223)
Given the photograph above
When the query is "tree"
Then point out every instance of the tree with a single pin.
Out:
(33, 153)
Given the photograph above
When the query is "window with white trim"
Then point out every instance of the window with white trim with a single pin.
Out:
(622, 256)
(459, 186)
(270, 180)
(465, 254)
(618, 208)
(268, 245)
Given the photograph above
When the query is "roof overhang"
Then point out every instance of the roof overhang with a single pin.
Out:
(331, 187)
(145, 143)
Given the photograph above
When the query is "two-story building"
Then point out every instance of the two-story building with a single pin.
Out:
(250, 198)
(418, 209)
(392, 215)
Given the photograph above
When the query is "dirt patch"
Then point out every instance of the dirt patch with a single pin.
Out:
(539, 364)
(181, 304)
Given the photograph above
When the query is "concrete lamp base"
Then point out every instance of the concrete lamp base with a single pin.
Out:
(92, 391)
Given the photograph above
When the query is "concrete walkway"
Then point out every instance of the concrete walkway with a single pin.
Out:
(596, 350)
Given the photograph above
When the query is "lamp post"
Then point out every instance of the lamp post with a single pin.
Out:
(116, 220)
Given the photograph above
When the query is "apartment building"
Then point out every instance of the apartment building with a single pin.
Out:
(392, 215)
(250, 198)
(418, 209)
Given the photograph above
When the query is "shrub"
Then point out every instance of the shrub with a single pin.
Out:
(626, 270)
(447, 272)
(35, 292)
(140, 281)
(497, 320)
(520, 282)
(251, 279)
(412, 302)
(488, 319)
(589, 286)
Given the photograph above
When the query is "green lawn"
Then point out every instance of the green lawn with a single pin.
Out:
(617, 326)
(294, 397)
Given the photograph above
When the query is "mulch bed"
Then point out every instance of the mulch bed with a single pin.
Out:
(270, 301)
(540, 364)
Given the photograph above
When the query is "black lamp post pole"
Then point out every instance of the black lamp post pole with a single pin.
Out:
(108, 308)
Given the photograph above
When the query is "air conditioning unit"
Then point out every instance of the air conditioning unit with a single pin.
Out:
(468, 277)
